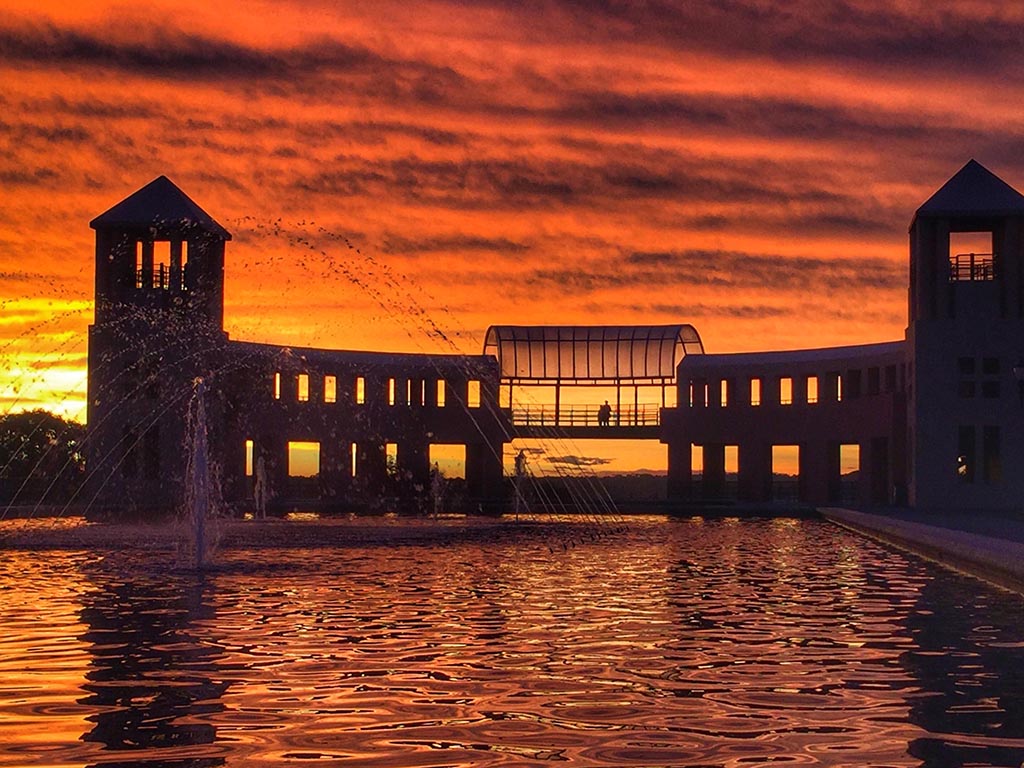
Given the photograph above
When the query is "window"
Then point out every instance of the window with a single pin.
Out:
(724, 393)
(785, 390)
(248, 458)
(966, 388)
(473, 394)
(990, 366)
(277, 386)
(302, 390)
(755, 391)
(852, 387)
(408, 391)
(303, 459)
(874, 381)
(812, 389)
(391, 391)
(971, 257)
(441, 393)
(990, 389)
(360, 391)
(966, 365)
(353, 459)
(139, 246)
(890, 378)
(330, 389)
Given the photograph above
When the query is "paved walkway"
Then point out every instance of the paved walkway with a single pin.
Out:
(990, 548)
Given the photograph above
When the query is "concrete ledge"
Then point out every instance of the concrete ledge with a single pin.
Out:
(997, 561)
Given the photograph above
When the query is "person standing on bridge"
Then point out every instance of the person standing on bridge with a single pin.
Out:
(604, 415)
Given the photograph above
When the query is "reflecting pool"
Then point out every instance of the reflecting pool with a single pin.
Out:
(673, 643)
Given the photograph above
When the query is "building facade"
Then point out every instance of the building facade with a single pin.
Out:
(934, 420)
(369, 418)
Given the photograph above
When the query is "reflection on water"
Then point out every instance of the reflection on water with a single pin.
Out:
(677, 643)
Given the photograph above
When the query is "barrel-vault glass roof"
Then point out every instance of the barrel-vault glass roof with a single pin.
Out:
(624, 354)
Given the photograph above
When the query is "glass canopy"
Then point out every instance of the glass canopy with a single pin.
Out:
(614, 354)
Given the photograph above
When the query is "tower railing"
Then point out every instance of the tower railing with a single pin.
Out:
(972, 267)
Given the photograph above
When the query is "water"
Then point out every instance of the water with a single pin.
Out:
(676, 643)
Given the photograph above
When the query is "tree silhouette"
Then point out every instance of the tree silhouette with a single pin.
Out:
(41, 458)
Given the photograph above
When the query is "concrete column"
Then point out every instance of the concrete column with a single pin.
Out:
(874, 471)
(484, 477)
(832, 473)
(414, 463)
(680, 480)
(335, 470)
(714, 471)
(755, 471)
(814, 472)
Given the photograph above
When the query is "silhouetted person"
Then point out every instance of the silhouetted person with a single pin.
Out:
(604, 415)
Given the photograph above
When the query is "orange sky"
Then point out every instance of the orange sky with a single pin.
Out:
(749, 168)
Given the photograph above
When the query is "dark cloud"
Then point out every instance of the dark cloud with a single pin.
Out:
(976, 37)
(393, 243)
(721, 269)
(572, 460)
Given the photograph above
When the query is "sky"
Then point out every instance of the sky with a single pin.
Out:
(746, 166)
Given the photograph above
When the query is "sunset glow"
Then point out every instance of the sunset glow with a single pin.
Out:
(400, 176)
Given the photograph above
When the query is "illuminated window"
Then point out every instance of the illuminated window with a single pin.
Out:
(330, 389)
(473, 394)
(277, 386)
(812, 389)
(391, 458)
(161, 264)
(423, 391)
(785, 390)
(408, 391)
(755, 391)
(248, 458)
(696, 459)
(303, 459)
(724, 393)
(440, 393)
(138, 263)
(360, 390)
(303, 388)
(391, 391)
(353, 452)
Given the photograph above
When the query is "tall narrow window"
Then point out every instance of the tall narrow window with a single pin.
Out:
(473, 394)
(423, 392)
(353, 452)
(812, 389)
(724, 393)
(248, 458)
(440, 393)
(391, 391)
(785, 390)
(277, 386)
(360, 390)
(330, 389)
(138, 263)
(302, 390)
(408, 391)
(755, 391)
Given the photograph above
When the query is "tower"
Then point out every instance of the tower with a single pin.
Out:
(159, 312)
(965, 336)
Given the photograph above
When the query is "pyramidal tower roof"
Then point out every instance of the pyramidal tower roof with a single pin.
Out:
(974, 191)
(159, 202)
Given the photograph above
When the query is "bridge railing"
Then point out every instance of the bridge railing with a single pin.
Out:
(585, 416)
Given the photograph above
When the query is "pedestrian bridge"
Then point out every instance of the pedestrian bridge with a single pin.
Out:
(546, 370)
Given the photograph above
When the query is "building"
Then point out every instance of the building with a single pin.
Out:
(935, 420)
(159, 329)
